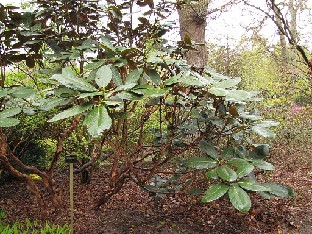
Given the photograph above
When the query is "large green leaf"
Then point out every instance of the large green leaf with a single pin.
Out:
(153, 76)
(98, 120)
(226, 173)
(227, 83)
(48, 104)
(212, 174)
(76, 110)
(3, 92)
(133, 76)
(103, 76)
(239, 198)
(260, 151)
(22, 92)
(208, 149)
(10, 112)
(201, 163)
(68, 79)
(280, 190)
(238, 95)
(263, 131)
(263, 165)
(228, 152)
(250, 184)
(8, 122)
(116, 76)
(219, 92)
(243, 166)
(214, 192)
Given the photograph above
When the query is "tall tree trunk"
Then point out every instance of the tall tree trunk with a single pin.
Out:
(282, 38)
(193, 21)
(293, 28)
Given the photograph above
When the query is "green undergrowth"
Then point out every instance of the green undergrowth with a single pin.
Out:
(31, 227)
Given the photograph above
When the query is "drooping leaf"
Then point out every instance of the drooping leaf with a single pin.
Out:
(212, 174)
(8, 122)
(208, 149)
(22, 92)
(260, 151)
(252, 185)
(76, 110)
(200, 163)
(239, 198)
(3, 92)
(10, 112)
(219, 92)
(243, 166)
(103, 76)
(154, 76)
(238, 95)
(280, 190)
(107, 43)
(263, 131)
(228, 152)
(70, 80)
(133, 76)
(263, 165)
(48, 104)
(116, 76)
(98, 120)
(214, 192)
(229, 83)
(226, 173)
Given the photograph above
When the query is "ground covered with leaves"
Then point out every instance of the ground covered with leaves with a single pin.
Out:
(134, 211)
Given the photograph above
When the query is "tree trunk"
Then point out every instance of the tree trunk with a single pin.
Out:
(193, 21)
(284, 56)
(293, 28)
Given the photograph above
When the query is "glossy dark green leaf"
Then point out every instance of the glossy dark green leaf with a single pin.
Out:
(260, 151)
(280, 190)
(228, 153)
(10, 112)
(208, 149)
(48, 104)
(252, 185)
(22, 92)
(214, 192)
(70, 80)
(3, 92)
(263, 131)
(243, 166)
(8, 122)
(200, 163)
(98, 120)
(239, 198)
(229, 83)
(133, 76)
(263, 165)
(76, 110)
(154, 76)
(103, 76)
(226, 173)
(212, 174)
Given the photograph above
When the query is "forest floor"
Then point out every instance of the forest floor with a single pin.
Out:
(133, 211)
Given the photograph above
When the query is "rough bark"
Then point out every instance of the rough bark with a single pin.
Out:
(193, 21)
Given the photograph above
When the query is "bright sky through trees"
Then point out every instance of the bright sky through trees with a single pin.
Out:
(230, 26)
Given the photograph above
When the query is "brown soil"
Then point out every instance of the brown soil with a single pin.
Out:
(133, 211)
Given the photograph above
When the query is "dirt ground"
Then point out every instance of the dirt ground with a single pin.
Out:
(133, 211)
